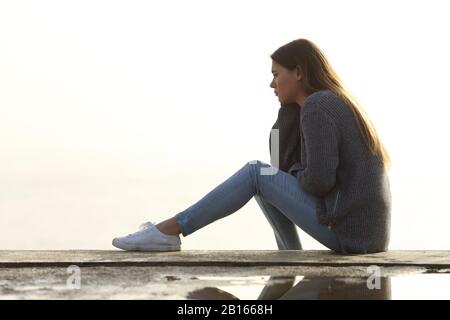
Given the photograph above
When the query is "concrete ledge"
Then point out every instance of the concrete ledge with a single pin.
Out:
(217, 274)
(241, 258)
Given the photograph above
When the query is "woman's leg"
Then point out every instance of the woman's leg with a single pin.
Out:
(280, 189)
(284, 229)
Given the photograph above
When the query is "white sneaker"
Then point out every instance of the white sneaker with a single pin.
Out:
(148, 238)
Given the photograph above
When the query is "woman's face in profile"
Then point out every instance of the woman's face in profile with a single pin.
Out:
(285, 83)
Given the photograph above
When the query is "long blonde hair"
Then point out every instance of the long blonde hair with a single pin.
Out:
(318, 74)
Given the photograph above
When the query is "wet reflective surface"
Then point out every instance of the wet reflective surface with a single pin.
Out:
(225, 283)
(310, 288)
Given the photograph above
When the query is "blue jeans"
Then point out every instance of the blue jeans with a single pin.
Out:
(280, 197)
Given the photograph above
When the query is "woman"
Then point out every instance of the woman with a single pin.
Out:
(331, 178)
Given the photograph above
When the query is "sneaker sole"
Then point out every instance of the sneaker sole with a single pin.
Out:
(128, 247)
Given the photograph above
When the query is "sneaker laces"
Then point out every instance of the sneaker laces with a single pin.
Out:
(146, 225)
(142, 227)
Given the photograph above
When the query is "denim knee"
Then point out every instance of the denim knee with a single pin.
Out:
(262, 168)
(257, 162)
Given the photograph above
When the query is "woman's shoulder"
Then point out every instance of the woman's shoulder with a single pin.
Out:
(320, 96)
(322, 101)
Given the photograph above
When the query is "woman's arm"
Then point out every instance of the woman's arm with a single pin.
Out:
(322, 153)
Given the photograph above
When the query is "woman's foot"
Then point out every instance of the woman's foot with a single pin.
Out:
(148, 238)
(169, 226)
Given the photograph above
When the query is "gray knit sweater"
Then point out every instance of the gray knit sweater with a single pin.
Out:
(351, 185)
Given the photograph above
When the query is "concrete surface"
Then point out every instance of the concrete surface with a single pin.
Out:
(225, 274)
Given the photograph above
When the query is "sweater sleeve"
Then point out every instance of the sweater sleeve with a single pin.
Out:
(322, 153)
(296, 166)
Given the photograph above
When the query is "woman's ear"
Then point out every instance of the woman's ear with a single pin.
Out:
(298, 72)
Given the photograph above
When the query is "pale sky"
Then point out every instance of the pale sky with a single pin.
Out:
(113, 113)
